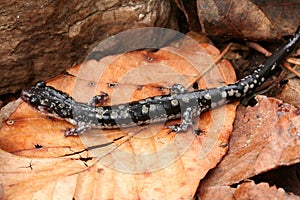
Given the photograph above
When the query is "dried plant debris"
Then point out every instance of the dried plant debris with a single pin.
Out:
(266, 137)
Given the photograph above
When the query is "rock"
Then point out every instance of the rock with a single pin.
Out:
(40, 39)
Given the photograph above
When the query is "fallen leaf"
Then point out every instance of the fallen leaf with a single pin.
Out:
(139, 163)
(252, 20)
(248, 190)
(291, 92)
(265, 137)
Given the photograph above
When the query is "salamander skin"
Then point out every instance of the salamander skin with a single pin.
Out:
(178, 104)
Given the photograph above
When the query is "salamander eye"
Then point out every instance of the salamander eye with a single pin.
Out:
(41, 84)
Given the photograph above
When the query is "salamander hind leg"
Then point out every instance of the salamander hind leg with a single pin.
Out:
(177, 89)
(185, 124)
(80, 129)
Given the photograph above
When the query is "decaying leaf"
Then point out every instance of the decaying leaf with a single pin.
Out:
(245, 19)
(291, 92)
(248, 190)
(135, 163)
(266, 137)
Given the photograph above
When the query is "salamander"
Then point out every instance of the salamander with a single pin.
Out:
(180, 103)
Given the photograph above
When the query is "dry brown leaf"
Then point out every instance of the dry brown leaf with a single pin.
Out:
(291, 93)
(173, 164)
(245, 19)
(248, 190)
(22, 177)
(265, 137)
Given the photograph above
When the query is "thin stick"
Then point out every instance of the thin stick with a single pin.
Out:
(259, 48)
(291, 69)
(294, 61)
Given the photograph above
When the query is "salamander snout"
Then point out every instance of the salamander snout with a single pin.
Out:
(48, 100)
(31, 95)
(25, 95)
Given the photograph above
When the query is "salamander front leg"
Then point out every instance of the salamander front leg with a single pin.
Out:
(80, 129)
(98, 99)
(186, 122)
(177, 89)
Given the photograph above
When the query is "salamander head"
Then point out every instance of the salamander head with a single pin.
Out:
(48, 100)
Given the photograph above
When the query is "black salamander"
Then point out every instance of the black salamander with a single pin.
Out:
(178, 104)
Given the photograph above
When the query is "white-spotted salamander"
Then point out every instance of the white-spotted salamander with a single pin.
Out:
(178, 104)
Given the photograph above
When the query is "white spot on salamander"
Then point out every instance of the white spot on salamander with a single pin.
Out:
(152, 107)
(145, 109)
(113, 115)
(186, 99)
(174, 102)
(63, 112)
(213, 105)
(142, 101)
(224, 94)
(273, 66)
(246, 88)
(61, 105)
(99, 115)
(207, 96)
(124, 114)
(230, 92)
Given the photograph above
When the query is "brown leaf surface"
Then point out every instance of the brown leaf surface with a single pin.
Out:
(248, 190)
(265, 137)
(245, 19)
(173, 164)
(291, 93)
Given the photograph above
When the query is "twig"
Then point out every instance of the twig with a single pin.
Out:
(294, 61)
(288, 67)
(259, 48)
